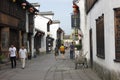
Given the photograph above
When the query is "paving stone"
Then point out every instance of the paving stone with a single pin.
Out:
(47, 68)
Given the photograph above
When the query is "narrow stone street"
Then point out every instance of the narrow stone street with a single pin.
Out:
(45, 67)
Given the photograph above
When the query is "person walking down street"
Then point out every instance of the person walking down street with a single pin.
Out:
(72, 50)
(12, 55)
(23, 55)
(62, 51)
(56, 53)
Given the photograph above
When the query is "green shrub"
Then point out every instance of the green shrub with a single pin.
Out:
(78, 46)
(1, 58)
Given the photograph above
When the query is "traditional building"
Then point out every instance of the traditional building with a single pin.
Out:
(103, 21)
(82, 33)
(53, 30)
(42, 20)
(38, 39)
(78, 22)
(16, 24)
(60, 37)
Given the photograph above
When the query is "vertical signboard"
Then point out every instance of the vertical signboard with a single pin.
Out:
(75, 21)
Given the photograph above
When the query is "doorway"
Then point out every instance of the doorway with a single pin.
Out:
(91, 49)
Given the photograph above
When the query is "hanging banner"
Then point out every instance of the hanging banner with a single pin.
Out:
(75, 21)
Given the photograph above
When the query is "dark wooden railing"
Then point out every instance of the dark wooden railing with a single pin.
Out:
(12, 9)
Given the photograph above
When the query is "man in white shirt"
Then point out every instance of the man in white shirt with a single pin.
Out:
(23, 56)
(12, 54)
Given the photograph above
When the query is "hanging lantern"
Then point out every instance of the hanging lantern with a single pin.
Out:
(31, 9)
(14, 0)
(74, 6)
(23, 5)
(75, 9)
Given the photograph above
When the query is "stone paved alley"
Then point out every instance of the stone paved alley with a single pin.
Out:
(45, 67)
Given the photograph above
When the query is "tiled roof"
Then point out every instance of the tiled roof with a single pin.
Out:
(55, 21)
(46, 13)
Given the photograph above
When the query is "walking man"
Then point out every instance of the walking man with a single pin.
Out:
(56, 53)
(12, 55)
(23, 56)
(72, 50)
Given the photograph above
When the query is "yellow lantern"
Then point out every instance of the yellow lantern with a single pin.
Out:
(23, 5)
(14, 0)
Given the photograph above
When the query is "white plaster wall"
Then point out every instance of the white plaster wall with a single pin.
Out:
(53, 32)
(85, 39)
(41, 23)
(104, 7)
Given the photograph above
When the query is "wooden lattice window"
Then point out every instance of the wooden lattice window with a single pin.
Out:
(100, 36)
(117, 34)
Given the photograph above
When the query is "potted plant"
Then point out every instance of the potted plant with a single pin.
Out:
(2, 57)
(78, 46)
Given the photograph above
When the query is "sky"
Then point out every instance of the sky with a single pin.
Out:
(62, 10)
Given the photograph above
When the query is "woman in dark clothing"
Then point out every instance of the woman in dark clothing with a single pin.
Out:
(56, 52)
(72, 51)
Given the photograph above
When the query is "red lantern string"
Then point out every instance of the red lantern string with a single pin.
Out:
(75, 9)
(14, 0)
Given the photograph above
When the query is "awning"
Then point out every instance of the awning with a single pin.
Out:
(39, 32)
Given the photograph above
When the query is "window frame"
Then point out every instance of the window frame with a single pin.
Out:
(100, 46)
(117, 33)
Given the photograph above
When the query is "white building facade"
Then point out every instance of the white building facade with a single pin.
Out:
(83, 27)
(100, 21)
(53, 31)
(41, 21)
(103, 37)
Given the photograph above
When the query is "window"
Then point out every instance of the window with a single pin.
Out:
(117, 34)
(100, 36)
